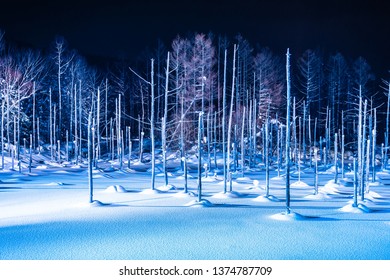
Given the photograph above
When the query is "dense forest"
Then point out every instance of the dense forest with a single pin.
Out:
(47, 95)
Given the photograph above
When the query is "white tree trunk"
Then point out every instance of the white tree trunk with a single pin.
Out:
(231, 114)
(153, 179)
(225, 170)
(90, 152)
(288, 133)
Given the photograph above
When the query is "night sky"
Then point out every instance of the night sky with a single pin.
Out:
(126, 28)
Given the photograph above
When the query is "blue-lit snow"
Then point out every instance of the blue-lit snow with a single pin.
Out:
(46, 215)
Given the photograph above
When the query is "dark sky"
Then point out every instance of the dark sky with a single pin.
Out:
(115, 28)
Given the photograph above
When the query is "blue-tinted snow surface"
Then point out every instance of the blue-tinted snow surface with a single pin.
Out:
(46, 216)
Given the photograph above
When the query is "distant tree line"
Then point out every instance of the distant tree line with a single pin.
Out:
(46, 96)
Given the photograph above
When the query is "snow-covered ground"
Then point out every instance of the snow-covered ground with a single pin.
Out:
(46, 215)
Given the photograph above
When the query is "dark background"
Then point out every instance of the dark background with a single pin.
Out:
(125, 28)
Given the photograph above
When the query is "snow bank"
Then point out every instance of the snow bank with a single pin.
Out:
(292, 216)
(115, 189)
(201, 203)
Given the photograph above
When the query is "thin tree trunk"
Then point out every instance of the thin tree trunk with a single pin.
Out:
(367, 181)
(130, 146)
(51, 126)
(75, 127)
(373, 149)
(153, 179)
(164, 122)
(231, 114)
(387, 127)
(2, 133)
(288, 133)
(225, 170)
(243, 145)
(90, 152)
(335, 160)
(33, 116)
(200, 128)
(266, 153)
(31, 149)
(98, 126)
(355, 182)
(316, 171)
(342, 156)
(39, 136)
(106, 114)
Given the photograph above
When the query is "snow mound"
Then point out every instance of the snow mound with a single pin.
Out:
(166, 188)
(256, 183)
(116, 189)
(61, 172)
(244, 180)
(361, 208)
(169, 174)
(41, 167)
(292, 216)
(232, 194)
(264, 198)
(201, 203)
(150, 191)
(184, 194)
(373, 195)
(318, 196)
(299, 184)
(332, 169)
(55, 184)
(109, 169)
(97, 203)
(331, 187)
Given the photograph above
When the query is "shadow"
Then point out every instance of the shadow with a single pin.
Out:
(9, 188)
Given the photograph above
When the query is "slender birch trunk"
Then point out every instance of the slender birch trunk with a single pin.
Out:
(200, 131)
(288, 133)
(225, 169)
(153, 179)
(90, 152)
(243, 145)
(231, 114)
(164, 123)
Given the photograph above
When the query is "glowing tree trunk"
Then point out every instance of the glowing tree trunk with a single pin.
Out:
(231, 117)
(130, 146)
(31, 149)
(153, 179)
(387, 128)
(90, 156)
(266, 153)
(355, 182)
(335, 159)
(288, 133)
(373, 148)
(200, 132)
(243, 145)
(2, 132)
(164, 123)
(225, 170)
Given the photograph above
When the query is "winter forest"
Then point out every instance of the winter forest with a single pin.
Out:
(206, 121)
